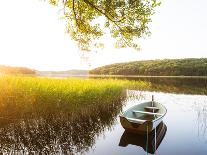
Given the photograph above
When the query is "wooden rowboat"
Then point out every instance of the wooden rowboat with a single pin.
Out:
(143, 117)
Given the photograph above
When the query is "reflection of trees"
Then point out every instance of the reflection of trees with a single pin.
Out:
(178, 85)
(174, 85)
(62, 133)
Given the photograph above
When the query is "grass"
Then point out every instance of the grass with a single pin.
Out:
(22, 95)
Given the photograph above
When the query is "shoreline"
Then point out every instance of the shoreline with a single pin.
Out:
(101, 76)
(145, 76)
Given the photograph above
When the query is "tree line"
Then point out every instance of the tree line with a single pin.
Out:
(166, 67)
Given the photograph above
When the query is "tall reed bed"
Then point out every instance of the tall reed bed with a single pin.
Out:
(61, 116)
(28, 94)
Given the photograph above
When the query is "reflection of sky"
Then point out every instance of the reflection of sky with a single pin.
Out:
(32, 35)
(182, 128)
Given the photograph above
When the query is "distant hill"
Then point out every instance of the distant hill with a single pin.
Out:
(15, 70)
(63, 73)
(166, 67)
(24, 70)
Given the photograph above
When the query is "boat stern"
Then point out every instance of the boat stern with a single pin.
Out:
(135, 127)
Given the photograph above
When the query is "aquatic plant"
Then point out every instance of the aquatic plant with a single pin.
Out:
(23, 95)
(42, 115)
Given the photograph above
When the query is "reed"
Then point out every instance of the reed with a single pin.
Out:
(20, 95)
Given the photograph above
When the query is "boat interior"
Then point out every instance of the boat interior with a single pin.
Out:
(145, 111)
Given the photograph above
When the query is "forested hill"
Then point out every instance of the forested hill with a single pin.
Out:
(15, 70)
(166, 67)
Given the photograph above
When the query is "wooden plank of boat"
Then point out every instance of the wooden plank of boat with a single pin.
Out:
(152, 108)
(135, 120)
(147, 113)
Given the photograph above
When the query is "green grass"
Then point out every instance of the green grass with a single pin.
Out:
(22, 95)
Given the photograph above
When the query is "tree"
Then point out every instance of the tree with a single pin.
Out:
(126, 20)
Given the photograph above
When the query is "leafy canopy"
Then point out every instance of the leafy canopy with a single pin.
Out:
(126, 20)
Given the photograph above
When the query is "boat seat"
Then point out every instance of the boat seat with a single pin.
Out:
(147, 113)
(151, 109)
(135, 120)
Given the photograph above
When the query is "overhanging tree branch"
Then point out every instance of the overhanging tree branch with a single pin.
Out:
(127, 19)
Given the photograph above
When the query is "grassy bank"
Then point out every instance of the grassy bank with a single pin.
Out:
(28, 94)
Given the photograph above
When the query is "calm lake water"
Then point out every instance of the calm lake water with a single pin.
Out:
(186, 122)
(184, 126)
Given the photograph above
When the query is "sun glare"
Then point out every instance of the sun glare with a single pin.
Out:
(33, 35)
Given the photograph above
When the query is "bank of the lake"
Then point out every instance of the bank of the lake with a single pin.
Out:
(165, 67)
(142, 76)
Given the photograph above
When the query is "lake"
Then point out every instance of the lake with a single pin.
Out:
(186, 122)
(184, 126)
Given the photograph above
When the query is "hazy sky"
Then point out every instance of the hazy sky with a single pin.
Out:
(32, 35)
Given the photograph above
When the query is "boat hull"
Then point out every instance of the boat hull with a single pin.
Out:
(141, 127)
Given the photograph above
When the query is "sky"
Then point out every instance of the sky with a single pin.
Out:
(33, 35)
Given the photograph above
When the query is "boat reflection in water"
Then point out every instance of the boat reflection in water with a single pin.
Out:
(149, 142)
